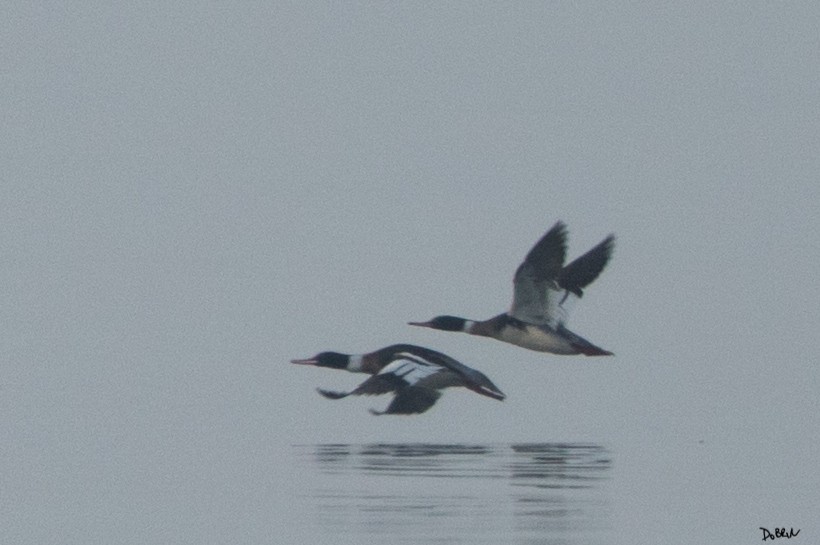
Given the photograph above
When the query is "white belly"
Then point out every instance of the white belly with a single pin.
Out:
(535, 338)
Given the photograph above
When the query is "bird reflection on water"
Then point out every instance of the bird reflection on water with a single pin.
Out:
(494, 493)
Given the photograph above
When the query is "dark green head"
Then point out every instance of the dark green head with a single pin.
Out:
(445, 323)
(333, 360)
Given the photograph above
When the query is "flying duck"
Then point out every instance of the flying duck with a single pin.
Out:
(543, 290)
(413, 373)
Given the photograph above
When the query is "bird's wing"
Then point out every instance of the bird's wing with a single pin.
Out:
(581, 272)
(395, 376)
(466, 376)
(576, 276)
(330, 394)
(535, 284)
(411, 400)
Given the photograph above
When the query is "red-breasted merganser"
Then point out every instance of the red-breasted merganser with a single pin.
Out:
(413, 373)
(542, 292)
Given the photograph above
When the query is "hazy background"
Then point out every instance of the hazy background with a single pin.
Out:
(194, 194)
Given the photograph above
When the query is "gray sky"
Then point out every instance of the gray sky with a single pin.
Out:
(193, 195)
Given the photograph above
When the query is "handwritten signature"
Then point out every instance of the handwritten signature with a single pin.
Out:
(779, 532)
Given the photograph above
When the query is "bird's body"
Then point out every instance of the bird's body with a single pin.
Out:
(543, 290)
(415, 375)
(534, 337)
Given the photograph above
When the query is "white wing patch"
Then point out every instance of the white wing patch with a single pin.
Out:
(555, 310)
(410, 370)
(566, 301)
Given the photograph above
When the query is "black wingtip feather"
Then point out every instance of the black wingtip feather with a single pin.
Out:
(331, 394)
(585, 269)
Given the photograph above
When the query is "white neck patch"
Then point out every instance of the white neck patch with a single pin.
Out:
(355, 363)
(468, 325)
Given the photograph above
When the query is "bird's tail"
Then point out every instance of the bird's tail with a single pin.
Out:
(582, 345)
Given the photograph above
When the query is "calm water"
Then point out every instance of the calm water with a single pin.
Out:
(455, 493)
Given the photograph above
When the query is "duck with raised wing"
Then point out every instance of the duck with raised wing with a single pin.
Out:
(543, 290)
(414, 374)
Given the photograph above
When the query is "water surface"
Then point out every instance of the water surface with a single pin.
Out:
(455, 493)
